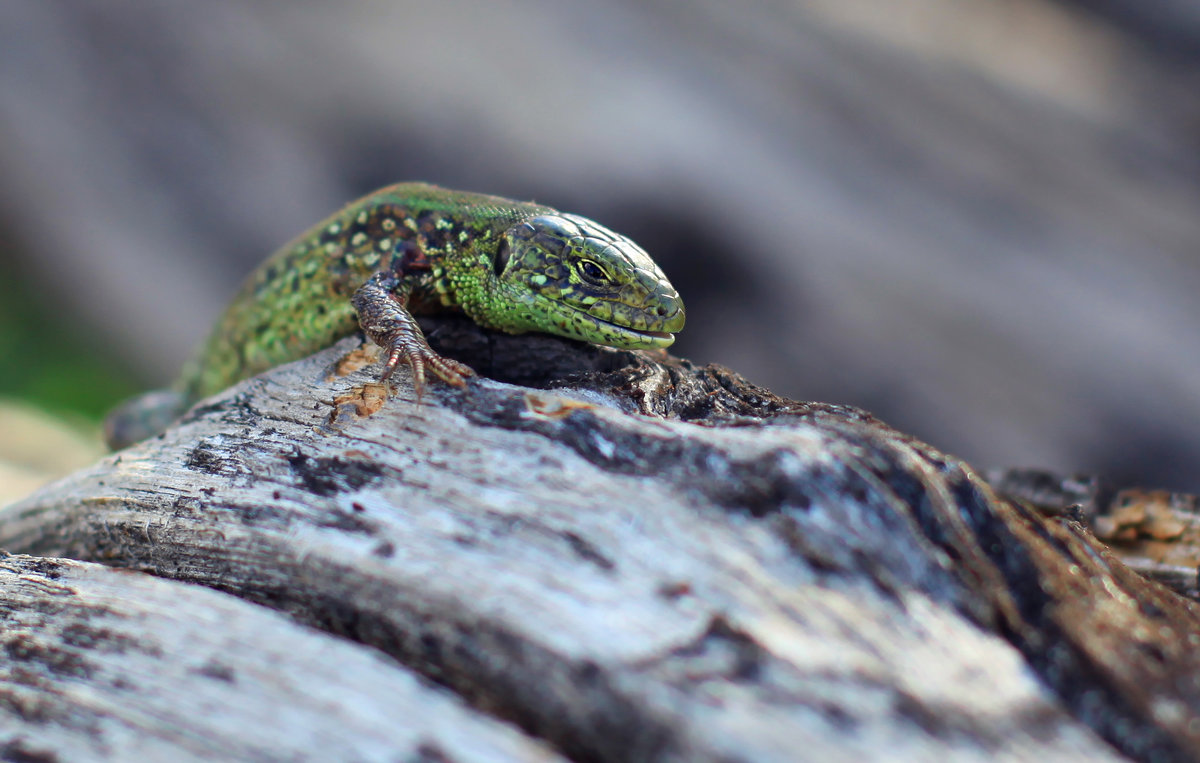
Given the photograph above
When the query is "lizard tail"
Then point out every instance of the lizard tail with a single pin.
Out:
(142, 417)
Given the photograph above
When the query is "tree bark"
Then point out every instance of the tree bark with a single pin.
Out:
(606, 556)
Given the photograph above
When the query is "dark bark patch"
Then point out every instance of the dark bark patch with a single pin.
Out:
(18, 750)
(587, 551)
(20, 647)
(328, 477)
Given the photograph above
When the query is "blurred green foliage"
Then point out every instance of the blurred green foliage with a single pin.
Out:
(46, 361)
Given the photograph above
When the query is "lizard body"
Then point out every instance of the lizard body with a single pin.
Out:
(416, 248)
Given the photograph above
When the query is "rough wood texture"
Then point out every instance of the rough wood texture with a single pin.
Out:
(653, 561)
(1155, 532)
(109, 664)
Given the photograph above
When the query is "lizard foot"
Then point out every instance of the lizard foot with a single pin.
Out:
(380, 304)
(419, 356)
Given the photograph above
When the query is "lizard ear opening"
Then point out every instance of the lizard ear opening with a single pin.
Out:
(500, 261)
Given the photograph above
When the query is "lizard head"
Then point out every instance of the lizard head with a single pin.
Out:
(578, 279)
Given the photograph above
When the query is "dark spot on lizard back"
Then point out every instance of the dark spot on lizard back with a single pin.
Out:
(427, 223)
(409, 258)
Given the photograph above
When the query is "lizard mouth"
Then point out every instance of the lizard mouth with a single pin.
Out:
(629, 338)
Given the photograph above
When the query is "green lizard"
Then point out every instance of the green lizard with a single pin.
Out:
(416, 248)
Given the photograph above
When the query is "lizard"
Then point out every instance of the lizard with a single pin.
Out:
(415, 248)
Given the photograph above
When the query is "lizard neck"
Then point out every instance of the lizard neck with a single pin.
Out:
(463, 276)
(461, 254)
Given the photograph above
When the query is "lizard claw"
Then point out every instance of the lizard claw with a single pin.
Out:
(420, 356)
(380, 304)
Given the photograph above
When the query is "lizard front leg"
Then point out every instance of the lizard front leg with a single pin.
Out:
(381, 304)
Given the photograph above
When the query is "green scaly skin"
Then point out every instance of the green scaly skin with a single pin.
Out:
(416, 248)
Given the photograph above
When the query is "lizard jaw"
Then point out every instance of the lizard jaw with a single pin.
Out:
(623, 337)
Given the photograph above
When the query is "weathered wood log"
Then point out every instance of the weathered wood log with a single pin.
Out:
(109, 664)
(650, 561)
(1155, 532)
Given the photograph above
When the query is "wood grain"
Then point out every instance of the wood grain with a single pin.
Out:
(651, 561)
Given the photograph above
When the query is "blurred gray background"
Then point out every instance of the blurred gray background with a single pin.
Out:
(980, 221)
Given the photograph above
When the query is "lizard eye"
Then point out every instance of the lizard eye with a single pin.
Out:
(592, 271)
(502, 256)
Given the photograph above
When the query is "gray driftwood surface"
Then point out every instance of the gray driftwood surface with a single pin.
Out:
(650, 561)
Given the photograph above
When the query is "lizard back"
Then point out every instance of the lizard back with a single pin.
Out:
(298, 300)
